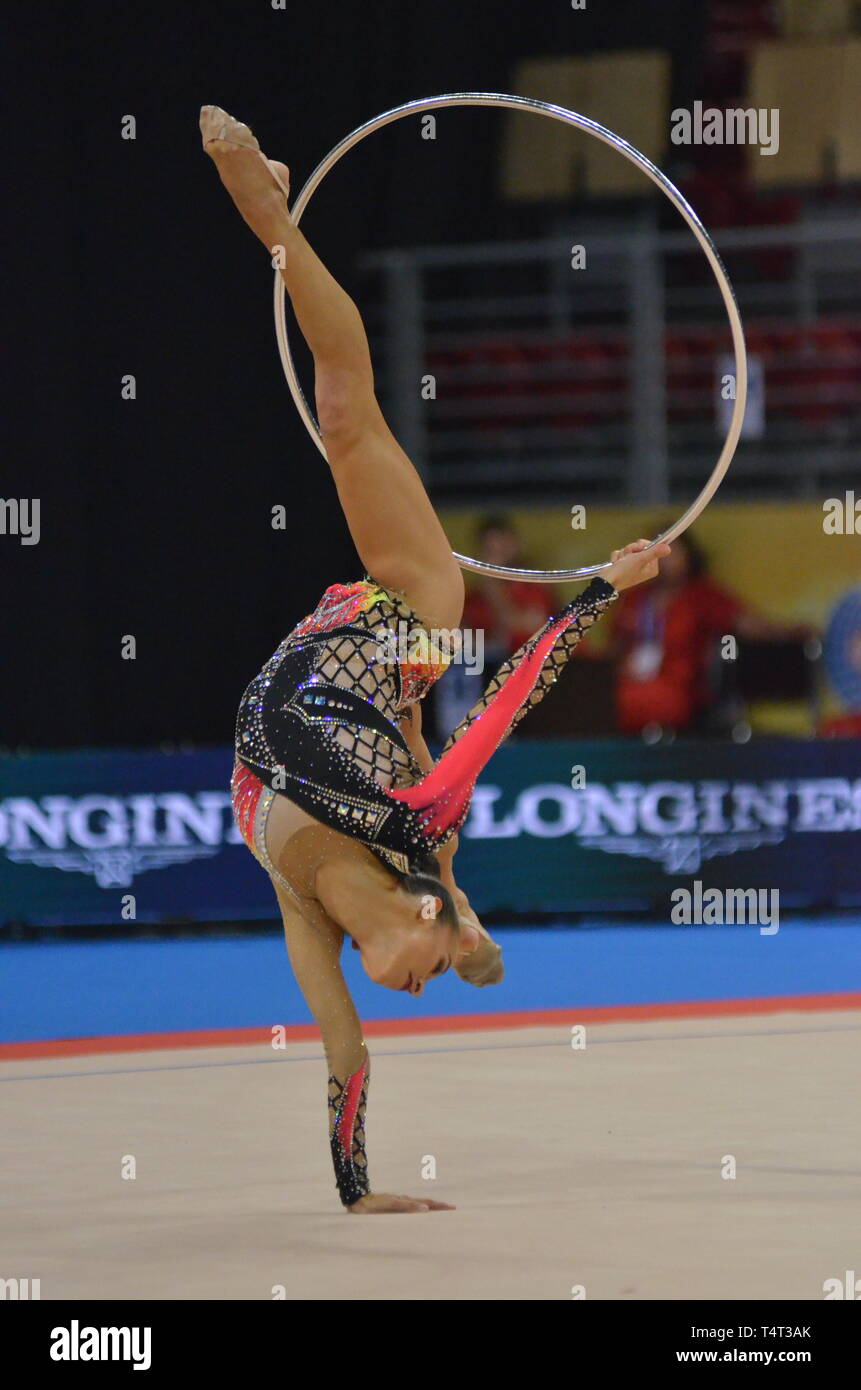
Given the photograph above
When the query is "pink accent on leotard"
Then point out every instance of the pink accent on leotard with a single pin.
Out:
(245, 791)
(347, 1120)
(443, 795)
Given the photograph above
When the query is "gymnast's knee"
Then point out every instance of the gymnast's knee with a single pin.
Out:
(345, 404)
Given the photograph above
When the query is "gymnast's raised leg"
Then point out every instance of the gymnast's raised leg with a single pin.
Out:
(374, 477)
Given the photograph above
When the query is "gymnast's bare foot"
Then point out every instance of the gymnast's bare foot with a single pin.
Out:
(258, 186)
(376, 1203)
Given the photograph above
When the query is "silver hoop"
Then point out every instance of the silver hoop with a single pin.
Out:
(558, 113)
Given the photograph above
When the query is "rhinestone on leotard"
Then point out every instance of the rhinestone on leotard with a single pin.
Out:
(340, 756)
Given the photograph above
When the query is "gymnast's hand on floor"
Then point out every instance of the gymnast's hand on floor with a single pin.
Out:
(376, 1203)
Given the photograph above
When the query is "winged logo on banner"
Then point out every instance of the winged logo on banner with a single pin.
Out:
(681, 854)
(113, 868)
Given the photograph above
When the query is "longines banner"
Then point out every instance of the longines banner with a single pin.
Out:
(108, 838)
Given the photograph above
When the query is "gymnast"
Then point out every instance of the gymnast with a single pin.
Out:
(333, 788)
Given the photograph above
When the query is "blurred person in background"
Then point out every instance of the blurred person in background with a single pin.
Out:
(506, 612)
(663, 641)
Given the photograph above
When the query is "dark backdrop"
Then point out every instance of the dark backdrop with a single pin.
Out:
(126, 257)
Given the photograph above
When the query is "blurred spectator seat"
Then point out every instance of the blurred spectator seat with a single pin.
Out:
(813, 375)
(764, 671)
(540, 159)
(822, 18)
(849, 142)
(820, 137)
(628, 92)
(580, 705)
(841, 726)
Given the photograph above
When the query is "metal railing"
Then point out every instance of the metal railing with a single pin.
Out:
(500, 366)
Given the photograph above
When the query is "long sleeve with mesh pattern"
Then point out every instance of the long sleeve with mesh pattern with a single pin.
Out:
(441, 798)
(582, 612)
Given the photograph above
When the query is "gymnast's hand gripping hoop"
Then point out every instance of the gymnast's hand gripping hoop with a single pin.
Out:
(557, 113)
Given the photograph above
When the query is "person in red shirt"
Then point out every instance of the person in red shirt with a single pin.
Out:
(664, 639)
(507, 611)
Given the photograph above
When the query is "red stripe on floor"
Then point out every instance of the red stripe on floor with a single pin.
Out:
(453, 1023)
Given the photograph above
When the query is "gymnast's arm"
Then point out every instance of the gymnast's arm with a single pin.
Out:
(483, 966)
(584, 611)
(629, 567)
(411, 728)
(314, 947)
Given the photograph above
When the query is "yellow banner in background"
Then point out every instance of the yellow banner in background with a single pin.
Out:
(776, 556)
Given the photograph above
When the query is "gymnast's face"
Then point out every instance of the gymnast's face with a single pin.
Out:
(401, 932)
(416, 947)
